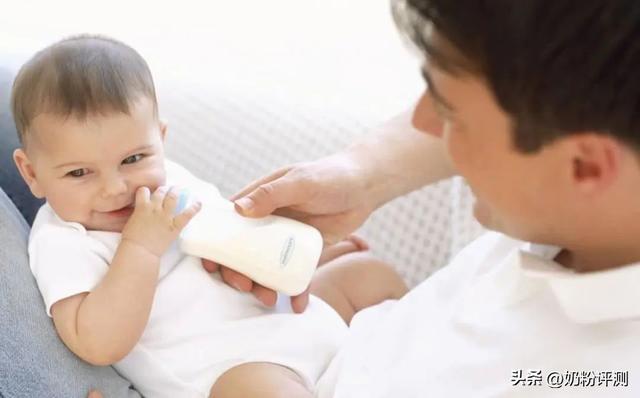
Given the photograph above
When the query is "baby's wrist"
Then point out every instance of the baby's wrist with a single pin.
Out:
(140, 248)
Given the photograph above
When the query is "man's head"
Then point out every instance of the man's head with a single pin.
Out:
(541, 107)
(86, 113)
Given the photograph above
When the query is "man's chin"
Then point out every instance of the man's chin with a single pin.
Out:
(489, 221)
(480, 212)
(483, 215)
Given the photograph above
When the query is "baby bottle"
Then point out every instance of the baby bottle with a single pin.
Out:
(274, 251)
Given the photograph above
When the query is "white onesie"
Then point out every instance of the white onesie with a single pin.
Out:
(198, 327)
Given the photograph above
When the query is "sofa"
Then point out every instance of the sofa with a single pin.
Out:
(228, 134)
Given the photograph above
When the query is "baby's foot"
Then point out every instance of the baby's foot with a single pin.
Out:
(349, 245)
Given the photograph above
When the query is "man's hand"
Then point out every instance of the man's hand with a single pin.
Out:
(267, 296)
(329, 194)
(94, 394)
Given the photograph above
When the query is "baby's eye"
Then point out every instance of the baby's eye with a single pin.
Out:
(77, 173)
(132, 159)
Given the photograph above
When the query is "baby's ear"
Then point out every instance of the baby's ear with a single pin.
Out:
(25, 167)
(163, 129)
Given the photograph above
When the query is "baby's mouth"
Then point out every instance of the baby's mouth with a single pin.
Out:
(123, 211)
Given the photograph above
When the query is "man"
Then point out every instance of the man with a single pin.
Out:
(537, 104)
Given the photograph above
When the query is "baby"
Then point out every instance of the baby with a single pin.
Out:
(103, 251)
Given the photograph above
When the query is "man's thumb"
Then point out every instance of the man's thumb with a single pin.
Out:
(245, 205)
(265, 199)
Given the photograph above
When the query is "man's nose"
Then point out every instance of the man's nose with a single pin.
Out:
(425, 118)
(114, 185)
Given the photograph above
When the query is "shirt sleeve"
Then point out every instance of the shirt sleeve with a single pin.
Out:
(65, 262)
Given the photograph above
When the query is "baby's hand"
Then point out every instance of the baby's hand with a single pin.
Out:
(153, 224)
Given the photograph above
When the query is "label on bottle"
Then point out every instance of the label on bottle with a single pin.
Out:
(287, 251)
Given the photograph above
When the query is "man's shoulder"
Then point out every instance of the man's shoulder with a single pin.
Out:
(478, 257)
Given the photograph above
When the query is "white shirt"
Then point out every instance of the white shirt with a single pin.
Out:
(502, 320)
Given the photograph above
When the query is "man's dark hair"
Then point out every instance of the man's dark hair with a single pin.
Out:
(557, 67)
(80, 76)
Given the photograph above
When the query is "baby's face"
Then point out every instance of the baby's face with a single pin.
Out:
(90, 170)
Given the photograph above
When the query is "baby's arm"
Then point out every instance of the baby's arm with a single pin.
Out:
(102, 326)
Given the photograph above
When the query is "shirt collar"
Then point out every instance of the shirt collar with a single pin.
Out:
(587, 297)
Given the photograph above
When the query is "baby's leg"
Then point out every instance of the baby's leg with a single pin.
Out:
(260, 379)
(355, 281)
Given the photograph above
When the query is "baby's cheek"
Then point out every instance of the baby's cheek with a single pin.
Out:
(70, 207)
(154, 178)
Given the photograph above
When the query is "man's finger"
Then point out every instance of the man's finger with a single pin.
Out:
(210, 266)
(268, 197)
(236, 279)
(255, 184)
(299, 303)
(266, 296)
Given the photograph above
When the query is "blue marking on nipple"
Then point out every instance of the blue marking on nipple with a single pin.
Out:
(182, 201)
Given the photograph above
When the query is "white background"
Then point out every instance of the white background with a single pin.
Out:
(336, 51)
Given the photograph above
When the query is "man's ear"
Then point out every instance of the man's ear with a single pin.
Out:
(596, 161)
(163, 129)
(25, 167)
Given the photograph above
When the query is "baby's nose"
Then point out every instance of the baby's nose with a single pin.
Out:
(114, 186)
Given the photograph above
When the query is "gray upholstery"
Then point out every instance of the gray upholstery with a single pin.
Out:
(33, 360)
(10, 180)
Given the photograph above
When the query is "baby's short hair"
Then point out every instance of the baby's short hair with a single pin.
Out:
(80, 76)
